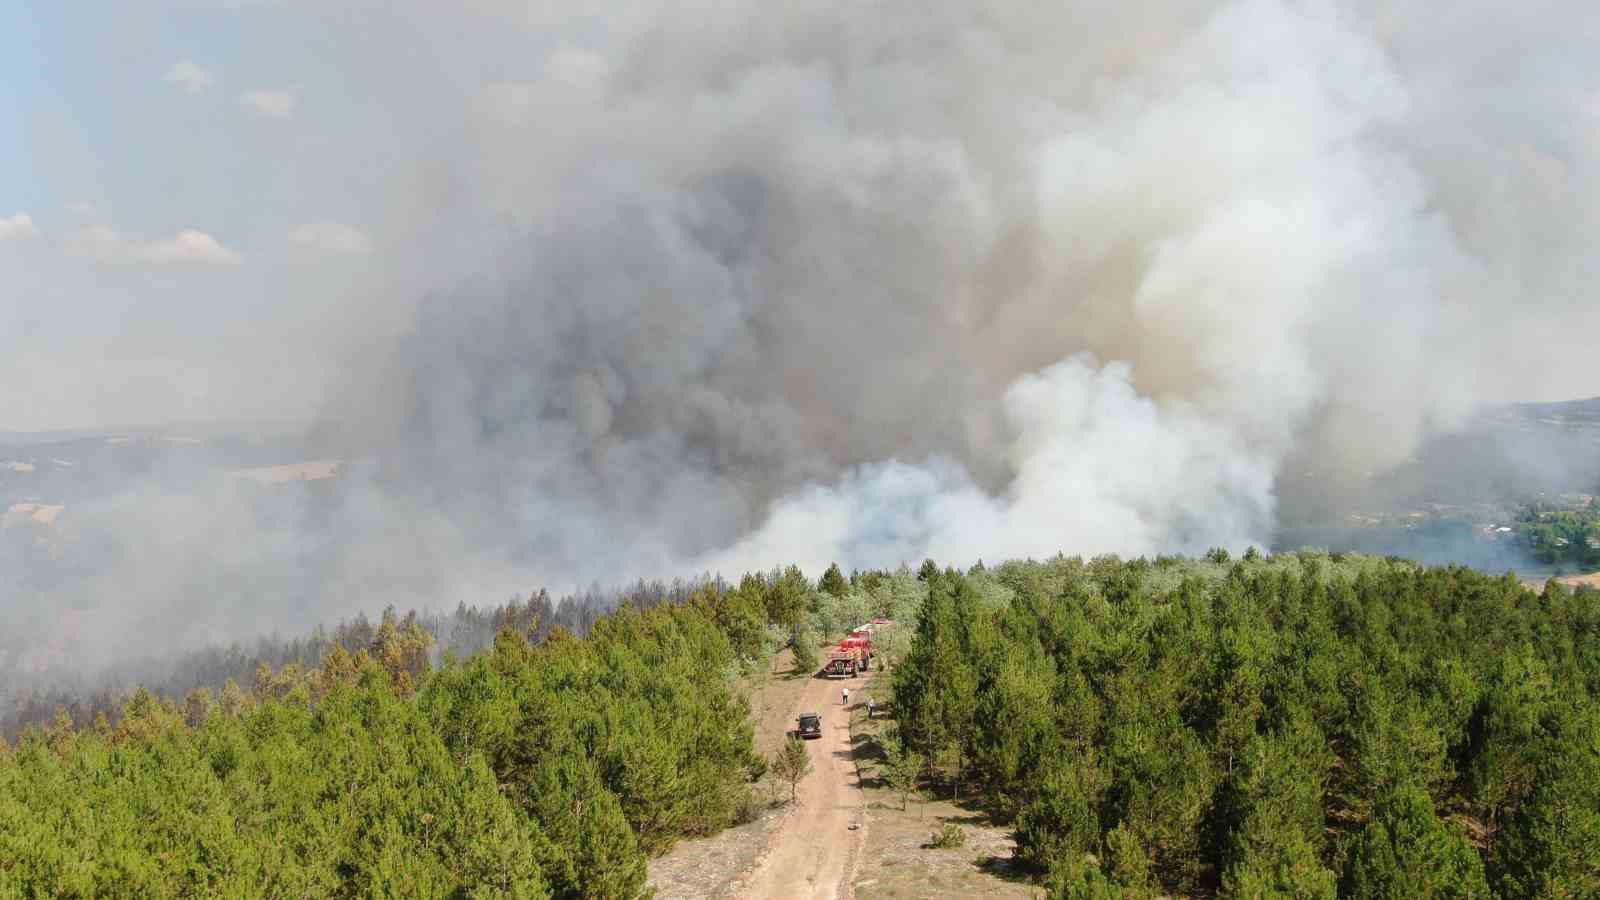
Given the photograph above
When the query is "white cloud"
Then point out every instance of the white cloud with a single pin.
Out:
(187, 247)
(275, 104)
(18, 227)
(192, 79)
(330, 239)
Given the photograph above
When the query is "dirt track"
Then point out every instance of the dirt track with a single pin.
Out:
(813, 854)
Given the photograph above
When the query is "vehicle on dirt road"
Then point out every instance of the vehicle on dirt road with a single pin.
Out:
(845, 663)
(810, 726)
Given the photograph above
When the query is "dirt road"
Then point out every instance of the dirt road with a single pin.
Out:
(813, 855)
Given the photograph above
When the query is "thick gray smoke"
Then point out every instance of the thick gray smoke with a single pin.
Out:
(873, 282)
(718, 286)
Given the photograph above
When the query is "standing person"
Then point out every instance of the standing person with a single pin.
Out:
(872, 708)
(844, 697)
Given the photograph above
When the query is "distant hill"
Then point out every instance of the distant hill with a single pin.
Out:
(204, 430)
(9, 439)
(76, 465)
(1567, 412)
(1437, 505)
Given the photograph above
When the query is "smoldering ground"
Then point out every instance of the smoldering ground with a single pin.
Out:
(720, 286)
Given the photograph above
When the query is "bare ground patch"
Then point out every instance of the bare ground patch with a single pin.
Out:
(897, 861)
(1590, 580)
(1536, 583)
(713, 866)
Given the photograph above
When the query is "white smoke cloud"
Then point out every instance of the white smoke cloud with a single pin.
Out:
(1099, 469)
(815, 257)
(844, 276)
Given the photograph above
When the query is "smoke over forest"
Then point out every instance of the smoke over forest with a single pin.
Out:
(714, 287)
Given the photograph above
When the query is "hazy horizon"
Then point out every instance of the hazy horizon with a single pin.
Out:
(676, 289)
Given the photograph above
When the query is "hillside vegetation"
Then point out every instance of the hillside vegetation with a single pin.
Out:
(549, 764)
(1299, 725)
(1294, 727)
(523, 772)
(1561, 535)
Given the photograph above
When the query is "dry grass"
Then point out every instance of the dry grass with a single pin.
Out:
(899, 861)
(710, 867)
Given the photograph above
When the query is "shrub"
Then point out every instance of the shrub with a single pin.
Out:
(950, 837)
(806, 658)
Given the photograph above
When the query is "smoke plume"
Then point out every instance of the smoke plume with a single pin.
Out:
(871, 283)
(719, 286)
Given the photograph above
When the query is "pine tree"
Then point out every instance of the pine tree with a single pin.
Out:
(197, 707)
(1405, 851)
(1061, 822)
(792, 763)
(1550, 845)
(1272, 810)
(786, 597)
(833, 582)
(902, 769)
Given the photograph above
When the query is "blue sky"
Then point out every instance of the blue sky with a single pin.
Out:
(21, 72)
(208, 183)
